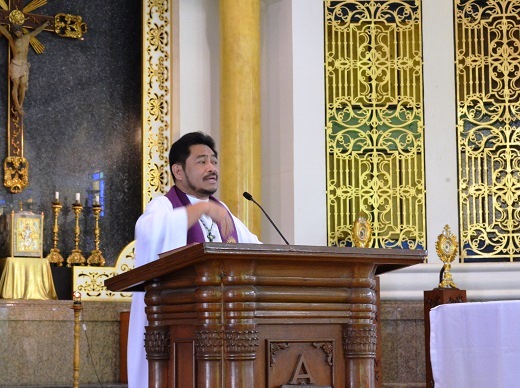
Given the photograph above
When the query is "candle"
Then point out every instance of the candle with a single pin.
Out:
(96, 202)
(57, 196)
(76, 297)
(77, 197)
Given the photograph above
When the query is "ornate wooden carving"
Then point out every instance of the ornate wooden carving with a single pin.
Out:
(308, 362)
(241, 345)
(157, 343)
(274, 348)
(359, 340)
(208, 344)
(328, 349)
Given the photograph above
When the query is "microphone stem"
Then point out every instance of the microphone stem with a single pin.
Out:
(271, 221)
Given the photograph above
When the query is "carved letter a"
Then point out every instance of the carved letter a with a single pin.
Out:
(301, 371)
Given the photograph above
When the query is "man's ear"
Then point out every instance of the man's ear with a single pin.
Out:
(177, 171)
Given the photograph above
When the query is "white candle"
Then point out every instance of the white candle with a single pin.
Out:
(57, 196)
(96, 202)
(77, 197)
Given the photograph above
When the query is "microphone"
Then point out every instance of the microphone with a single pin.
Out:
(249, 197)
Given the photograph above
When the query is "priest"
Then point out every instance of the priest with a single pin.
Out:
(188, 213)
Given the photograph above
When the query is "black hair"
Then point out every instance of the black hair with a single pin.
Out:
(16, 27)
(180, 150)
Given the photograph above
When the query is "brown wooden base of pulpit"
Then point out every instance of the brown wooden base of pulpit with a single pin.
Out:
(306, 354)
(243, 315)
(434, 298)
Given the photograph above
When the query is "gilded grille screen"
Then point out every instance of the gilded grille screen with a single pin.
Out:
(375, 165)
(488, 90)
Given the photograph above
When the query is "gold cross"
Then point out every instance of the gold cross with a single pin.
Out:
(24, 25)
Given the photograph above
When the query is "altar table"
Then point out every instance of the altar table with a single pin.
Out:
(476, 344)
(26, 278)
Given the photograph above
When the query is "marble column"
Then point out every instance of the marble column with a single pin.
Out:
(240, 133)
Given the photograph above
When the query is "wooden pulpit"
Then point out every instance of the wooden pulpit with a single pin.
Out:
(248, 315)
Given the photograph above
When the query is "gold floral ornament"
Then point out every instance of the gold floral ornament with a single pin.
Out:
(69, 26)
(446, 247)
(16, 173)
(17, 17)
(362, 233)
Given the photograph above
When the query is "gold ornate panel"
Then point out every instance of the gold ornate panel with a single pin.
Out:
(156, 96)
(90, 281)
(375, 121)
(488, 112)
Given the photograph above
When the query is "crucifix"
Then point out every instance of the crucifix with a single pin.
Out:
(23, 28)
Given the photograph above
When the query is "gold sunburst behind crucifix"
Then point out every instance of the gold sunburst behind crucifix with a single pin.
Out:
(20, 26)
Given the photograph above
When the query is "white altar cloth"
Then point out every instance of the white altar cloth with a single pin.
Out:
(476, 345)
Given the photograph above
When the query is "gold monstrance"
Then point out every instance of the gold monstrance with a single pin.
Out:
(362, 233)
(446, 247)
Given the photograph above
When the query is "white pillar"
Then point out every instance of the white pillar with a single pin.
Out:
(294, 120)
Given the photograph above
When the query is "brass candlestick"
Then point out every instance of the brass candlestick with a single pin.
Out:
(96, 257)
(77, 307)
(76, 258)
(54, 256)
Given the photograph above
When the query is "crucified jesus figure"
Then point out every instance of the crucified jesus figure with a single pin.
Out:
(19, 68)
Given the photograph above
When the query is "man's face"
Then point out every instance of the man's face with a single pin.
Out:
(199, 177)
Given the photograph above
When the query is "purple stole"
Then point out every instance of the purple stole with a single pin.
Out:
(195, 234)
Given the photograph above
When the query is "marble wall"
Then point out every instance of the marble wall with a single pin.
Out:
(402, 332)
(37, 345)
(83, 115)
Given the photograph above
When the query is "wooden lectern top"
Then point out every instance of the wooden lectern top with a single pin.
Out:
(385, 260)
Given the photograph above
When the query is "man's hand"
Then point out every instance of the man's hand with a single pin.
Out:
(218, 214)
(221, 216)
